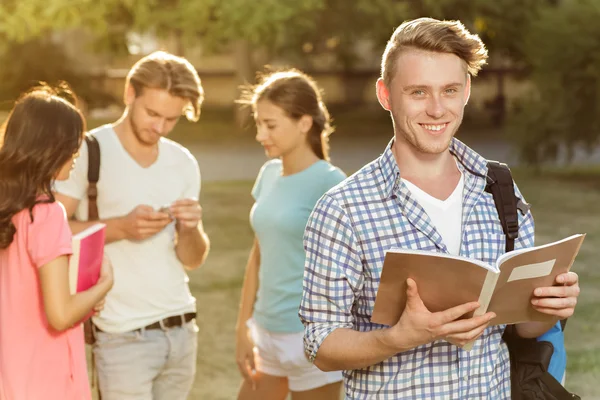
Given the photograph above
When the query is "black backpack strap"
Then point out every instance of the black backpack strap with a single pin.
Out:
(563, 323)
(92, 193)
(556, 390)
(93, 175)
(500, 184)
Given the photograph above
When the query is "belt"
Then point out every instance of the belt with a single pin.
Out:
(169, 322)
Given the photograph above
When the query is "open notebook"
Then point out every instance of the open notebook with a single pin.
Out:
(445, 281)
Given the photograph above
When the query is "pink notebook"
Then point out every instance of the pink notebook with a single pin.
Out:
(86, 261)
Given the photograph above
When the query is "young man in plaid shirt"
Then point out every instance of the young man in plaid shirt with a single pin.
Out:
(426, 191)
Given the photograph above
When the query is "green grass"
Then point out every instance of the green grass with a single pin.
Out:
(561, 203)
(217, 285)
(560, 206)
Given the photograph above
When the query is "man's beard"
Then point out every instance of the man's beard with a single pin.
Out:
(136, 131)
(423, 146)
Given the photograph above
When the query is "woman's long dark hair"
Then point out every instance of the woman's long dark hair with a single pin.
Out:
(42, 133)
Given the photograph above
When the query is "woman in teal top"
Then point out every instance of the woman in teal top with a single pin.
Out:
(293, 126)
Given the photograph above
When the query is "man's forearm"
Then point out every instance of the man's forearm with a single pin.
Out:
(192, 246)
(346, 349)
(114, 230)
(532, 330)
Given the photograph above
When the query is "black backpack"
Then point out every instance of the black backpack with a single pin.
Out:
(529, 359)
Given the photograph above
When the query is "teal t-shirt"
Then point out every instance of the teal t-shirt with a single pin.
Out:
(278, 217)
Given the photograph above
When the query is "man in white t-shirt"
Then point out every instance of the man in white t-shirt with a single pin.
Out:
(146, 336)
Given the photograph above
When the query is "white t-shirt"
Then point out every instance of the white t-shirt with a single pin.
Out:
(446, 215)
(150, 282)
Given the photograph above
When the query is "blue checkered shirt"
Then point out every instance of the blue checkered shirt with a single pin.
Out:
(346, 238)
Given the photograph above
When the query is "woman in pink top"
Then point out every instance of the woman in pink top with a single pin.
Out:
(42, 351)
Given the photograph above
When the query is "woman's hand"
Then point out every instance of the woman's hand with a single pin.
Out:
(244, 356)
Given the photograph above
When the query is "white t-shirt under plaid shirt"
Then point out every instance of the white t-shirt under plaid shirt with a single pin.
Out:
(346, 238)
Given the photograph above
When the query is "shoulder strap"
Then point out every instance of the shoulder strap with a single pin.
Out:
(556, 390)
(93, 175)
(500, 184)
(563, 324)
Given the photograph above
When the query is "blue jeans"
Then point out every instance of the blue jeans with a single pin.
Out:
(150, 364)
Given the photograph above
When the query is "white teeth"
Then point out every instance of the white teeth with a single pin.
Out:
(434, 127)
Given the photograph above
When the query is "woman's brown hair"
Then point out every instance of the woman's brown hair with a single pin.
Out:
(433, 35)
(161, 70)
(298, 95)
(42, 133)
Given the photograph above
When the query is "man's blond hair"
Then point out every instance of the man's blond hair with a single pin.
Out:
(161, 70)
(437, 36)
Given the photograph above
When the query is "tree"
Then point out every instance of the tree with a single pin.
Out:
(23, 20)
(284, 28)
(563, 109)
(29, 55)
(217, 24)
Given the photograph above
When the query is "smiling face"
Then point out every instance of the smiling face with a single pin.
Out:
(426, 98)
(277, 132)
(153, 114)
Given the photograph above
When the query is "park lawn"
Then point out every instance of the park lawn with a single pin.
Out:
(561, 206)
(217, 286)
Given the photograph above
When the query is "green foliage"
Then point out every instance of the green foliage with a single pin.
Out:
(338, 27)
(463, 10)
(283, 27)
(502, 23)
(266, 21)
(557, 41)
(22, 68)
(20, 20)
(563, 48)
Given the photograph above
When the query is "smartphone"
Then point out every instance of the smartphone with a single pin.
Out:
(166, 210)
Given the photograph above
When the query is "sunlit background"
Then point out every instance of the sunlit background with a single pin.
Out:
(536, 105)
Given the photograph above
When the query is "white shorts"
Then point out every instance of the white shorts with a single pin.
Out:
(282, 354)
